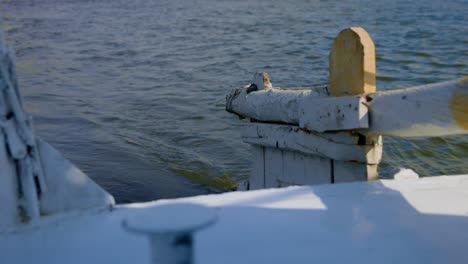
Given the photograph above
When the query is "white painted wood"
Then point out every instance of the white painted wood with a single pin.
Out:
(303, 169)
(347, 171)
(30, 199)
(12, 95)
(8, 188)
(429, 110)
(15, 145)
(36, 161)
(287, 168)
(294, 169)
(322, 144)
(385, 222)
(267, 105)
(317, 170)
(332, 114)
(257, 178)
(68, 188)
(309, 108)
(273, 167)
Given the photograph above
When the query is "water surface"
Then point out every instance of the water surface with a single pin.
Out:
(133, 91)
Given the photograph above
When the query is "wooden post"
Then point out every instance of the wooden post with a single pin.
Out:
(352, 63)
(352, 72)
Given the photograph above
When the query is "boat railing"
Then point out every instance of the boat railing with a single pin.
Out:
(334, 134)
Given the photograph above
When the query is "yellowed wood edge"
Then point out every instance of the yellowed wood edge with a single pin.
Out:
(459, 104)
(369, 59)
(352, 63)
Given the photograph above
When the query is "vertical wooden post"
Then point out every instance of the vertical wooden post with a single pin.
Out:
(257, 177)
(352, 63)
(352, 72)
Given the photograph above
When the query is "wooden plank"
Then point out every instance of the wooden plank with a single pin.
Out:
(346, 171)
(257, 178)
(300, 107)
(317, 170)
(311, 109)
(352, 63)
(326, 145)
(429, 110)
(303, 169)
(273, 167)
(332, 114)
(294, 169)
(274, 105)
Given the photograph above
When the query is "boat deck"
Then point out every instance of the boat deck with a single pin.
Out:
(387, 221)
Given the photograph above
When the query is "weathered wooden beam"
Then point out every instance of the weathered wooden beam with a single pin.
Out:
(311, 109)
(261, 101)
(430, 110)
(337, 146)
(285, 168)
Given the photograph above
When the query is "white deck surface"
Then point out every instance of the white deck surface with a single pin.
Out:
(407, 221)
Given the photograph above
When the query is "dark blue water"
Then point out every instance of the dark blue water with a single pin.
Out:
(133, 91)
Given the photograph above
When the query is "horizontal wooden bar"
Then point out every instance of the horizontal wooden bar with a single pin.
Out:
(429, 110)
(311, 109)
(335, 146)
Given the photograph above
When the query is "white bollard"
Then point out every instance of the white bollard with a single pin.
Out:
(170, 230)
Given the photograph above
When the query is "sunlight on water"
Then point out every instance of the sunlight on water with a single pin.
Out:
(133, 91)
